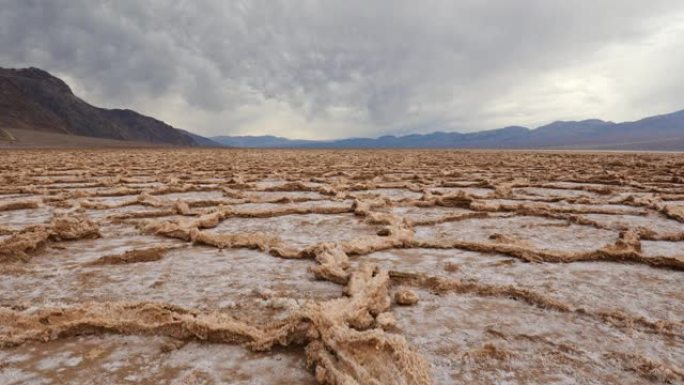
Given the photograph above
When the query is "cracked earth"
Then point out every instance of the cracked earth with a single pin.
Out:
(341, 267)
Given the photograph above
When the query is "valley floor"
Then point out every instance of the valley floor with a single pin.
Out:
(197, 266)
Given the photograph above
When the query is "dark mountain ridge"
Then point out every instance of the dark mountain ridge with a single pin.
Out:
(33, 99)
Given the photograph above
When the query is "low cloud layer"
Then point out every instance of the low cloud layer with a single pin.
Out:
(329, 69)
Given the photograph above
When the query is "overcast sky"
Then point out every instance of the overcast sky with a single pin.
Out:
(328, 69)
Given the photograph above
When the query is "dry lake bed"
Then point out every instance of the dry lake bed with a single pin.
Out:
(177, 266)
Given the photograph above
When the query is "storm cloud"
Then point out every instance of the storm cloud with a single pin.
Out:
(329, 69)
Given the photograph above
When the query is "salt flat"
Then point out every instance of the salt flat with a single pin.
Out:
(197, 266)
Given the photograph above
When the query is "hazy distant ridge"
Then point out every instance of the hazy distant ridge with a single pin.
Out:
(662, 132)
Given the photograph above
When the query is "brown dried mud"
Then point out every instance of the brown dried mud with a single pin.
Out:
(341, 267)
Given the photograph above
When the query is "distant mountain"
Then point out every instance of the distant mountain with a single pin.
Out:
(34, 105)
(657, 133)
(262, 141)
(33, 99)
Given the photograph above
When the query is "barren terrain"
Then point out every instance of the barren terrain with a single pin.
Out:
(341, 267)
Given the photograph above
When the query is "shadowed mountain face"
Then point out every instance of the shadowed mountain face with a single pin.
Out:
(657, 133)
(32, 99)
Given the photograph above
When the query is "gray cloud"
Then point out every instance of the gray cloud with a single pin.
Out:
(324, 69)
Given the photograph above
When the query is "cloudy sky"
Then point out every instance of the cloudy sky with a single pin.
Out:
(330, 69)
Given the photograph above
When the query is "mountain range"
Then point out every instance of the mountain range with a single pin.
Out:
(34, 100)
(39, 109)
(656, 133)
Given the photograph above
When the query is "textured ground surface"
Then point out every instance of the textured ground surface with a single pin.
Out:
(341, 267)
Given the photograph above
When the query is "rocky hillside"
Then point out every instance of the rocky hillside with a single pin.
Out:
(33, 99)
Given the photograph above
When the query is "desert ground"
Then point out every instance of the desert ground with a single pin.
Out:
(180, 266)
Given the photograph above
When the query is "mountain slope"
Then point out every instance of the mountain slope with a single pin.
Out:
(14, 138)
(202, 141)
(32, 99)
(663, 132)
